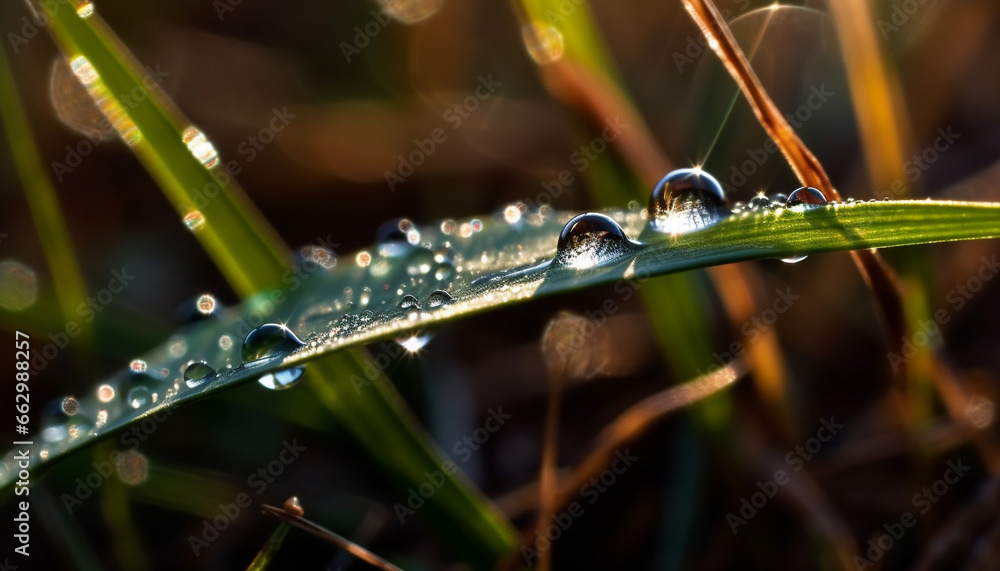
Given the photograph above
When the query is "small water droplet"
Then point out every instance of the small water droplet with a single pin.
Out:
(448, 227)
(363, 259)
(57, 416)
(132, 467)
(198, 373)
(293, 507)
(194, 220)
(419, 262)
(200, 147)
(105, 393)
(685, 200)
(323, 257)
(140, 390)
(444, 272)
(367, 315)
(543, 42)
(806, 195)
(589, 240)
(413, 343)
(409, 302)
(102, 418)
(205, 304)
(225, 342)
(267, 340)
(439, 297)
(512, 214)
(411, 11)
(137, 366)
(85, 10)
(780, 198)
(760, 202)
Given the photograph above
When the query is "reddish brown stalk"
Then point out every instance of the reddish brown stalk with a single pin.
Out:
(627, 427)
(327, 535)
(807, 168)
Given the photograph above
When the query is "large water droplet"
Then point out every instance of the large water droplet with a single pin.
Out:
(409, 302)
(267, 340)
(806, 196)
(760, 202)
(439, 297)
(198, 373)
(685, 200)
(206, 304)
(589, 240)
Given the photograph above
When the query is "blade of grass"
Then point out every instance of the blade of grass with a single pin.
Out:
(40, 194)
(270, 549)
(251, 256)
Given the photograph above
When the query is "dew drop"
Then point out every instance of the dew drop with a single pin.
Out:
(293, 507)
(319, 255)
(413, 343)
(420, 262)
(194, 220)
(132, 467)
(806, 195)
(409, 302)
(367, 315)
(448, 227)
(225, 342)
(411, 11)
(267, 340)
(200, 147)
(140, 390)
(760, 202)
(363, 259)
(444, 272)
(206, 304)
(544, 42)
(366, 296)
(512, 214)
(198, 373)
(137, 366)
(439, 297)
(685, 200)
(589, 240)
(85, 10)
(105, 393)
(56, 418)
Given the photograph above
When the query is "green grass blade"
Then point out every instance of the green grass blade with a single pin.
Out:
(67, 279)
(251, 256)
(507, 264)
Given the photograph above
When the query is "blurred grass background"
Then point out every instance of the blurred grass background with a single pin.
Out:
(324, 176)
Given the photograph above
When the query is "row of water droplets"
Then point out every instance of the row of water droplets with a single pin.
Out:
(683, 201)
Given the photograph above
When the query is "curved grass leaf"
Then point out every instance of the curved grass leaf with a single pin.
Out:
(397, 288)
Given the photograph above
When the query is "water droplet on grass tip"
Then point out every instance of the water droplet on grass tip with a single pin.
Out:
(686, 199)
(293, 507)
(589, 240)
